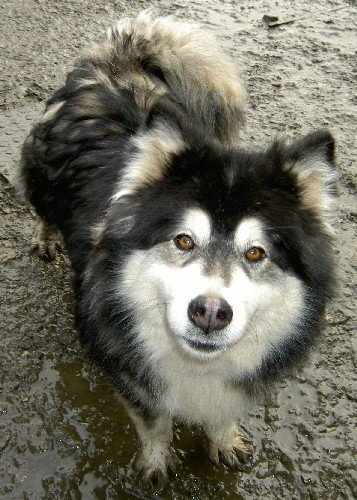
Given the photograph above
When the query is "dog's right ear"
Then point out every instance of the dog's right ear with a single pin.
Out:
(153, 149)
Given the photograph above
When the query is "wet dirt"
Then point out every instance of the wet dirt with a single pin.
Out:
(62, 433)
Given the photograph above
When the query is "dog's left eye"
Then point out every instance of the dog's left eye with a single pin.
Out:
(184, 242)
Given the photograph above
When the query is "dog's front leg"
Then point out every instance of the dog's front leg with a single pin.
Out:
(155, 456)
(226, 443)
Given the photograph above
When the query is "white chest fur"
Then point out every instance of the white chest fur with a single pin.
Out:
(199, 393)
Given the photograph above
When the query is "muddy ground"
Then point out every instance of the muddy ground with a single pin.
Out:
(62, 434)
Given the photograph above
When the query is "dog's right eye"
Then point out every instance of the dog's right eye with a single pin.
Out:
(254, 254)
(184, 242)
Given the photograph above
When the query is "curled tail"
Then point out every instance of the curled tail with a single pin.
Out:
(179, 59)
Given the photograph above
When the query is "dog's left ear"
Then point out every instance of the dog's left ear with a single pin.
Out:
(311, 161)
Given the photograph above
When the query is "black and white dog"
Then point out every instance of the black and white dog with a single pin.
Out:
(200, 268)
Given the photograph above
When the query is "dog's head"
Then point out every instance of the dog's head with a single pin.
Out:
(223, 249)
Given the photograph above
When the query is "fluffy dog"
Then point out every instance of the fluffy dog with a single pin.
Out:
(201, 269)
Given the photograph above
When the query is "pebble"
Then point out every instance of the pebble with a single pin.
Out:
(19, 478)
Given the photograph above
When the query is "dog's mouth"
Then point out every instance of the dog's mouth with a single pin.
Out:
(203, 346)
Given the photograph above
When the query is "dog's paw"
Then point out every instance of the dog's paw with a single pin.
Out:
(153, 466)
(46, 241)
(235, 451)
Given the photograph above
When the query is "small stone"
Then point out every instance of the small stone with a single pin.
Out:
(270, 19)
(19, 478)
(43, 446)
(354, 345)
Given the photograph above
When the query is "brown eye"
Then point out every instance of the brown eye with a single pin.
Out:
(254, 254)
(184, 242)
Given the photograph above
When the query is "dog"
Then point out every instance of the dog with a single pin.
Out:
(201, 268)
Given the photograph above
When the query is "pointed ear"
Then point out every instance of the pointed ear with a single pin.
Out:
(311, 161)
(153, 149)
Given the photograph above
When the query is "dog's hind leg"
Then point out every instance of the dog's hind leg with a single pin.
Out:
(156, 455)
(227, 444)
(46, 240)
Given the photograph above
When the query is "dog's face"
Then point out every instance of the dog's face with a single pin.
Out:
(223, 247)
(209, 289)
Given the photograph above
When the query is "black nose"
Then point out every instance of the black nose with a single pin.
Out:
(210, 313)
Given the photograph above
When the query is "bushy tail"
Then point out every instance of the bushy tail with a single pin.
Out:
(195, 72)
